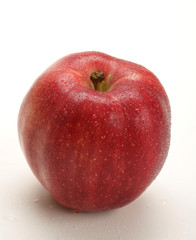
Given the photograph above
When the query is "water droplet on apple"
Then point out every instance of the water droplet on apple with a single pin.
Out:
(103, 137)
(96, 123)
(125, 129)
(137, 110)
(94, 116)
(68, 135)
(77, 210)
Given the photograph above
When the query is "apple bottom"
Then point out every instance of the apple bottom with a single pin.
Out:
(104, 204)
(101, 203)
(96, 192)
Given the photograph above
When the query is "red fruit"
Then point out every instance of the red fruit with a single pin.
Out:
(95, 149)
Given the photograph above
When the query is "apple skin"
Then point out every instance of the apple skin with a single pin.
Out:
(95, 150)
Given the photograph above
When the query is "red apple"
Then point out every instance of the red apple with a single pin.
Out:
(95, 130)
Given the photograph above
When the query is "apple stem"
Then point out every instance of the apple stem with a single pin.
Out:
(97, 78)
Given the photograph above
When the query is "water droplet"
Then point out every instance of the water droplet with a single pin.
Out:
(68, 136)
(96, 123)
(125, 129)
(77, 210)
(94, 116)
(36, 200)
(10, 218)
(103, 137)
(137, 110)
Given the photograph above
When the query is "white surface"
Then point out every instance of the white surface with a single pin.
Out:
(160, 35)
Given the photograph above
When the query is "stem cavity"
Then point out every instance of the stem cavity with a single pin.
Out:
(97, 79)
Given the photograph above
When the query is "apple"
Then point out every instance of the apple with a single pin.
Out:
(95, 130)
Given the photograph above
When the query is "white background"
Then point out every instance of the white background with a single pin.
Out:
(161, 35)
